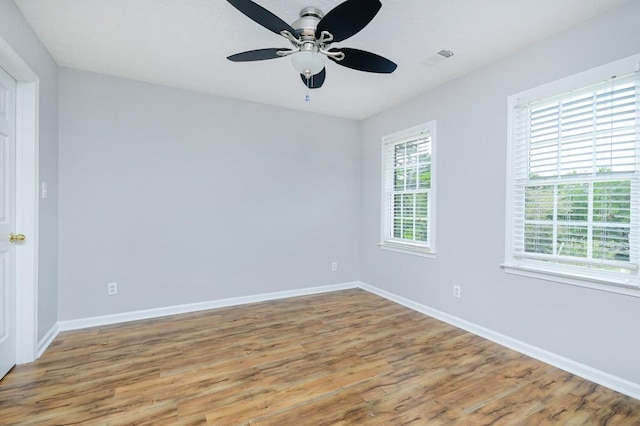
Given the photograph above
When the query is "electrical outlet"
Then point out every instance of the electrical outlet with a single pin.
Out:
(457, 291)
(334, 266)
(112, 289)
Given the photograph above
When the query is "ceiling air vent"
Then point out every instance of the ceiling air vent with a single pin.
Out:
(436, 58)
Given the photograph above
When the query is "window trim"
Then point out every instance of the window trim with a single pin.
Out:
(574, 280)
(428, 251)
(527, 268)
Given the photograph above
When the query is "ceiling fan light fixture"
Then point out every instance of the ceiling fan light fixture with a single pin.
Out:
(308, 62)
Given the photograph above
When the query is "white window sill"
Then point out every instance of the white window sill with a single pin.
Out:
(592, 283)
(408, 249)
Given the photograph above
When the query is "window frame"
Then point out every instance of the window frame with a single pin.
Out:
(580, 276)
(386, 242)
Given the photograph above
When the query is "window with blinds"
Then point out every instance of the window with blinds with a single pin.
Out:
(575, 186)
(408, 165)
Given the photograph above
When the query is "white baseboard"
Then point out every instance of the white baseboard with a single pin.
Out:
(594, 375)
(78, 324)
(597, 376)
(46, 340)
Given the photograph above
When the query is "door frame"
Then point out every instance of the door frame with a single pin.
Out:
(27, 199)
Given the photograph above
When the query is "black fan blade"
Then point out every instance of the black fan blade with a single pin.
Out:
(316, 81)
(262, 16)
(348, 18)
(256, 55)
(364, 61)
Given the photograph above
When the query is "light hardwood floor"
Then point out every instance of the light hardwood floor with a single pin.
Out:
(333, 359)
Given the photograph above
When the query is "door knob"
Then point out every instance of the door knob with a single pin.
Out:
(13, 238)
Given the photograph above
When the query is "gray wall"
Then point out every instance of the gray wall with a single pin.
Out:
(593, 327)
(183, 197)
(19, 35)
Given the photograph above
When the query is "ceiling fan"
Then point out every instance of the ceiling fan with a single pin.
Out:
(312, 35)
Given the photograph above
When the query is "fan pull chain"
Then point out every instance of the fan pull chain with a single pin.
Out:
(307, 97)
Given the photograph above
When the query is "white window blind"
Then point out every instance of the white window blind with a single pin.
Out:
(407, 190)
(576, 182)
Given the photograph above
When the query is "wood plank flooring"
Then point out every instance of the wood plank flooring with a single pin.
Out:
(341, 358)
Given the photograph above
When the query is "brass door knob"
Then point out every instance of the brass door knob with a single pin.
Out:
(13, 238)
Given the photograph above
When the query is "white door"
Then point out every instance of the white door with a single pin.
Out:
(7, 222)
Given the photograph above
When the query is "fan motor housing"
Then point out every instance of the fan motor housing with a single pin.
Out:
(308, 22)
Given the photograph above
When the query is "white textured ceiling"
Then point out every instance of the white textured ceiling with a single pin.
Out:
(184, 43)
